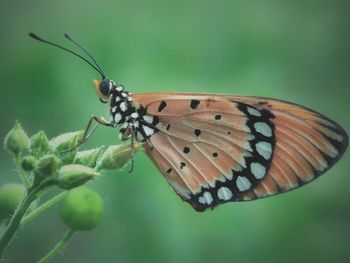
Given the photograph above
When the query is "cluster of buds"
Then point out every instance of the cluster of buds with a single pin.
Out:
(59, 162)
(56, 160)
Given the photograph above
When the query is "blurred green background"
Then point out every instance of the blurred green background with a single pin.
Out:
(292, 50)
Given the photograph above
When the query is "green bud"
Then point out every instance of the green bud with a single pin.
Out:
(64, 142)
(81, 209)
(116, 156)
(88, 158)
(28, 163)
(10, 197)
(47, 165)
(73, 175)
(16, 141)
(39, 144)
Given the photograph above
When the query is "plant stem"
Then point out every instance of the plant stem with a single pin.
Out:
(13, 226)
(41, 208)
(59, 247)
(21, 173)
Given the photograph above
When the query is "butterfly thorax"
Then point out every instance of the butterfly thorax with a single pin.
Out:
(130, 118)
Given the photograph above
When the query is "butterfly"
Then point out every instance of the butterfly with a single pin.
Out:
(219, 148)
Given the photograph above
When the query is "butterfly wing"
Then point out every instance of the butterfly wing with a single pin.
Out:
(215, 148)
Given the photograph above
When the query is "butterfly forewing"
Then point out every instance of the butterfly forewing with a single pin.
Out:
(214, 148)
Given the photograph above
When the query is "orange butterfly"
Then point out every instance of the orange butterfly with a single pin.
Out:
(216, 148)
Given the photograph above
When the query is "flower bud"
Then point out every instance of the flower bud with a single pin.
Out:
(88, 158)
(28, 163)
(39, 144)
(16, 141)
(47, 165)
(10, 197)
(66, 142)
(73, 175)
(81, 209)
(116, 156)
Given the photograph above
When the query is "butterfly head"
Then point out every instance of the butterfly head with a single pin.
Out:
(104, 88)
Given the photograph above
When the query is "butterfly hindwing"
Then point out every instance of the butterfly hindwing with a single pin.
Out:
(214, 149)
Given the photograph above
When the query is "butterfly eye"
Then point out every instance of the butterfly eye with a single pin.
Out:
(105, 87)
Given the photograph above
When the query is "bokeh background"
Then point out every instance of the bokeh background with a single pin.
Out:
(292, 50)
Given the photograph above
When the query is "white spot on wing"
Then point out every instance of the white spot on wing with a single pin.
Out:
(258, 170)
(224, 193)
(229, 175)
(250, 137)
(254, 112)
(139, 136)
(114, 109)
(124, 125)
(117, 99)
(263, 128)
(264, 149)
(339, 138)
(119, 88)
(117, 117)
(148, 131)
(148, 118)
(134, 115)
(243, 183)
(206, 198)
(123, 106)
(238, 168)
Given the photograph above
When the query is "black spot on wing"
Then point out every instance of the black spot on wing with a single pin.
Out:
(182, 165)
(186, 150)
(194, 104)
(162, 105)
(218, 117)
(197, 132)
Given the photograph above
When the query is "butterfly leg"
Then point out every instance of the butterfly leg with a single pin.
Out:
(132, 145)
(89, 130)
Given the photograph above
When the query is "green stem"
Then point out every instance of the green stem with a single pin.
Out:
(59, 247)
(42, 208)
(13, 226)
(22, 174)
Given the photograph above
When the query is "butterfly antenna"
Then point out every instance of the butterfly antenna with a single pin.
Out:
(98, 69)
(85, 51)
